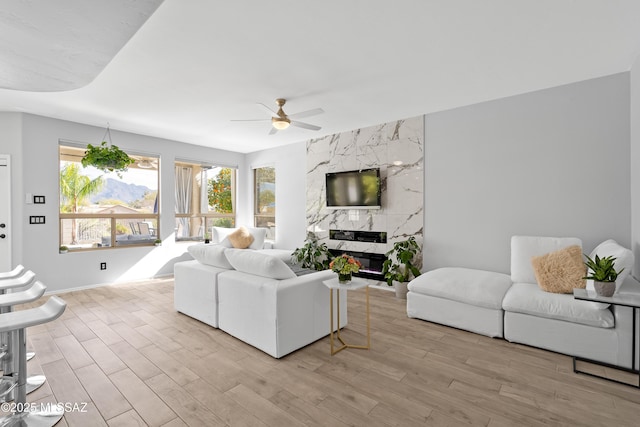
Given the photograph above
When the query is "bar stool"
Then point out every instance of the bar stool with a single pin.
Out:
(8, 354)
(13, 273)
(16, 323)
(15, 282)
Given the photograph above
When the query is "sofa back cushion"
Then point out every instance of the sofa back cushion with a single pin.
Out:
(212, 255)
(523, 248)
(259, 264)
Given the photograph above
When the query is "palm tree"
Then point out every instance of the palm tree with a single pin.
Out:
(75, 188)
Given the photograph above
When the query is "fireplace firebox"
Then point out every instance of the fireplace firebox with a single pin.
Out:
(371, 263)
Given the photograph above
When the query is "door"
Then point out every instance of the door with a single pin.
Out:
(5, 213)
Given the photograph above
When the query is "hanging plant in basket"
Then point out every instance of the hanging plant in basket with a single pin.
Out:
(106, 156)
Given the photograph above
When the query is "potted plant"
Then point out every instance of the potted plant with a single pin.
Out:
(603, 274)
(345, 266)
(107, 158)
(63, 249)
(399, 266)
(312, 254)
(157, 242)
(207, 238)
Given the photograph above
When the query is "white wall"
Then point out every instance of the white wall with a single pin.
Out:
(528, 164)
(290, 162)
(635, 164)
(553, 162)
(38, 174)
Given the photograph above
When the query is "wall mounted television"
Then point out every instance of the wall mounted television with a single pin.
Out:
(359, 189)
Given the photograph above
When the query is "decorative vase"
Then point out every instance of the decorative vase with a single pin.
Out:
(604, 289)
(344, 278)
(401, 289)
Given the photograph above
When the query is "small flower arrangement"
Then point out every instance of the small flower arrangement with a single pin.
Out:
(345, 266)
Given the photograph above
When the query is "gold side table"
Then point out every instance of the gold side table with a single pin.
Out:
(353, 285)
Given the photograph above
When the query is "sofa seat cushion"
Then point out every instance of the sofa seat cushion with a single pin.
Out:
(528, 298)
(474, 287)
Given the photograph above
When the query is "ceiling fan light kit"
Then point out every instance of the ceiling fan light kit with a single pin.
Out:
(280, 123)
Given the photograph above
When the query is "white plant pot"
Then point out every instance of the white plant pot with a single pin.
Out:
(401, 289)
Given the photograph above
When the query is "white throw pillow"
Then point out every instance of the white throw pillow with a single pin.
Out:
(624, 260)
(210, 255)
(523, 248)
(260, 264)
(219, 235)
(259, 235)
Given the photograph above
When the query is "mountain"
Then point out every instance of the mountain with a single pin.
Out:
(114, 189)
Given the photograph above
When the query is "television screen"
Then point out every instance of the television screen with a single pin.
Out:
(354, 189)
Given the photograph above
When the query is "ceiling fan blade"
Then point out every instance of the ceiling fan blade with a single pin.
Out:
(304, 125)
(250, 120)
(308, 113)
(271, 112)
(273, 131)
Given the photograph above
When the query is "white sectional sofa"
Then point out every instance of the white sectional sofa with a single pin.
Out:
(516, 308)
(254, 296)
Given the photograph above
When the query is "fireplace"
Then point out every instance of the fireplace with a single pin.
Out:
(371, 263)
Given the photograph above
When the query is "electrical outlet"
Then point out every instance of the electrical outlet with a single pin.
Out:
(36, 219)
(103, 266)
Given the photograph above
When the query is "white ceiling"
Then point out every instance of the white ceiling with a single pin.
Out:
(195, 65)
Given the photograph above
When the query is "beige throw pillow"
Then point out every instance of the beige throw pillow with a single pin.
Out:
(241, 238)
(560, 271)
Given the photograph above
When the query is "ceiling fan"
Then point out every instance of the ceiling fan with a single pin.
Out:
(280, 120)
(146, 163)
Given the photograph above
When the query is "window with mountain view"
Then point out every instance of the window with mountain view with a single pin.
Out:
(103, 210)
(264, 180)
(205, 197)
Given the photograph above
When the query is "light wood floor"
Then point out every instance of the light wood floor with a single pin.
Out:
(125, 352)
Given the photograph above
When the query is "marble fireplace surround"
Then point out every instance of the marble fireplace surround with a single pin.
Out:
(397, 148)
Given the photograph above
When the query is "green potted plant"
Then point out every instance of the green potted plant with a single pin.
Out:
(312, 254)
(399, 266)
(207, 238)
(157, 242)
(63, 249)
(107, 158)
(603, 273)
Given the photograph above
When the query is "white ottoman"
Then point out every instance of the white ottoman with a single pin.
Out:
(460, 297)
(196, 290)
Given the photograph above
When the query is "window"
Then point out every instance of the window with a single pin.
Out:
(205, 197)
(264, 180)
(99, 210)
